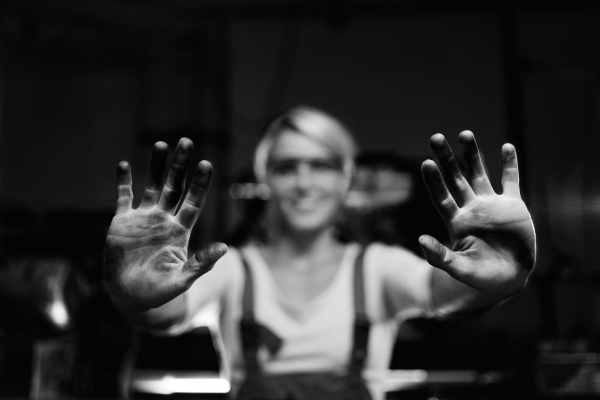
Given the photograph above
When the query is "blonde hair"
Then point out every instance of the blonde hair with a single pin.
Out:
(313, 123)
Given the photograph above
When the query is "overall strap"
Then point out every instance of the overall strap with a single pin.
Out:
(361, 321)
(248, 325)
(251, 331)
(359, 285)
(248, 297)
(254, 334)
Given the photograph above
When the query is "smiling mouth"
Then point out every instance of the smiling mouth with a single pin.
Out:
(305, 204)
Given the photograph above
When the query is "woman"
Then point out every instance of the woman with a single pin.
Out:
(299, 318)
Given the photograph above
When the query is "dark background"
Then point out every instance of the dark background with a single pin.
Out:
(85, 84)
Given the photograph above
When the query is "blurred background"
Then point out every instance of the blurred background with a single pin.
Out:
(86, 84)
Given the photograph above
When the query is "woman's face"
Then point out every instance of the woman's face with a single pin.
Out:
(307, 182)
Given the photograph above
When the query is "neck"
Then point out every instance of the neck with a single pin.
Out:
(302, 251)
(305, 241)
(292, 242)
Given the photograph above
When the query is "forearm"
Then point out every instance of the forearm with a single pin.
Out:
(453, 299)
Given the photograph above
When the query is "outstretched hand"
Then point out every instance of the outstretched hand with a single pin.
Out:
(492, 237)
(145, 255)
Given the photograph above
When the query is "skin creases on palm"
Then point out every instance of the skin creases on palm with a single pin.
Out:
(144, 255)
(495, 238)
(499, 214)
(483, 264)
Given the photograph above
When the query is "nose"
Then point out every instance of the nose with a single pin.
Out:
(303, 175)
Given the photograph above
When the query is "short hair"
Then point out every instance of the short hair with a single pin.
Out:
(313, 123)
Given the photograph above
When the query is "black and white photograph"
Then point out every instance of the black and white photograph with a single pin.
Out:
(299, 199)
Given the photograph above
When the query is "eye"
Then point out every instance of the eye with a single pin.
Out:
(325, 165)
(283, 167)
(321, 165)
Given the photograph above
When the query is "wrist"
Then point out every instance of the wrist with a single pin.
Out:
(122, 302)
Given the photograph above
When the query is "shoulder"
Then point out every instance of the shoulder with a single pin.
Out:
(396, 280)
(219, 284)
(227, 269)
(394, 263)
(388, 255)
(232, 255)
(231, 261)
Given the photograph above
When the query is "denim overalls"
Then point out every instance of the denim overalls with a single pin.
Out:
(302, 386)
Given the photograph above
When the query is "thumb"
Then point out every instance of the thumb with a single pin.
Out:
(437, 254)
(204, 259)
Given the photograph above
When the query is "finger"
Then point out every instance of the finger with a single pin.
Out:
(437, 254)
(124, 192)
(191, 206)
(476, 174)
(175, 183)
(154, 181)
(510, 171)
(204, 260)
(455, 181)
(438, 193)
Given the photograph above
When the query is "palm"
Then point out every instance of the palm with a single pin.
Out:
(148, 244)
(146, 261)
(492, 236)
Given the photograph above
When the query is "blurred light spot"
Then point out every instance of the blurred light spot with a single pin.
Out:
(236, 191)
(262, 191)
(58, 314)
(247, 191)
(170, 385)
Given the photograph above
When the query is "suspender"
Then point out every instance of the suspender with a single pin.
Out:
(253, 333)
(359, 285)
(361, 321)
(248, 299)
(248, 325)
